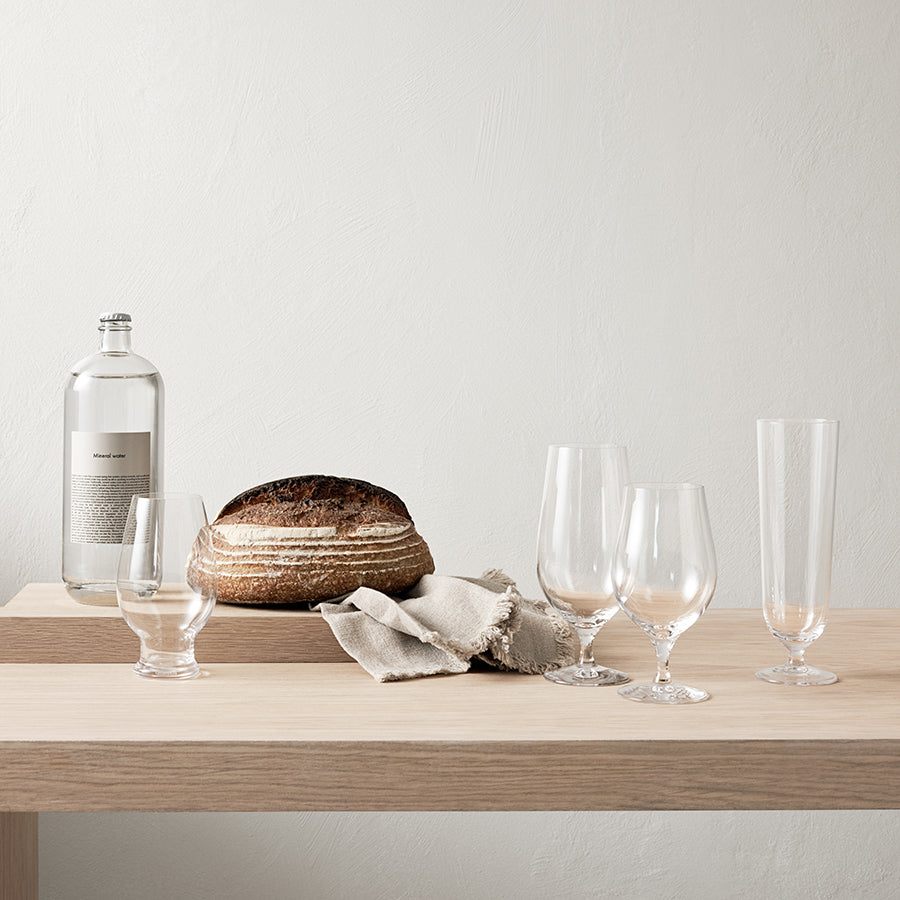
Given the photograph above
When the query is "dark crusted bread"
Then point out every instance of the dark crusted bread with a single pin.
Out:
(315, 537)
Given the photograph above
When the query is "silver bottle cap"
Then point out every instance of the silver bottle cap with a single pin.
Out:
(115, 317)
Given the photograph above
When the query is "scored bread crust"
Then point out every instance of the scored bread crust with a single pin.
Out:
(315, 537)
(313, 488)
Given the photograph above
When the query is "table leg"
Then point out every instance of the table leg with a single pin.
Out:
(18, 856)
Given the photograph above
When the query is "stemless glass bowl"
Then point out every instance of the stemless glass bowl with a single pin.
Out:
(166, 583)
(664, 575)
(580, 514)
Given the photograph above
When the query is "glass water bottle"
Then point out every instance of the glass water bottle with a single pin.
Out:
(113, 449)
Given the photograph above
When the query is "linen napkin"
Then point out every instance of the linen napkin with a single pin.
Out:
(440, 625)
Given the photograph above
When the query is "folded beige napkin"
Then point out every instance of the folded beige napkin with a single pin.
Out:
(443, 623)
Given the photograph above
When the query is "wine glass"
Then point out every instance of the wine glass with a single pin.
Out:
(797, 478)
(166, 582)
(664, 575)
(576, 540)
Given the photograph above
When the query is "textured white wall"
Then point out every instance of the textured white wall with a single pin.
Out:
(414, 243)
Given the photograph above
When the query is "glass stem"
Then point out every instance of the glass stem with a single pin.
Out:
(795, 655)
(663, 649)
(586, 655)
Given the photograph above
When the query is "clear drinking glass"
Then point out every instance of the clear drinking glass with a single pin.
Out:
(797, 479)
(166, 583)
(664, 575)
(580, 515)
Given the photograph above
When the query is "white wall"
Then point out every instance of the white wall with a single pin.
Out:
(414, 243)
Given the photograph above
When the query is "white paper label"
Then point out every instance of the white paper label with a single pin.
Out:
(107, 469)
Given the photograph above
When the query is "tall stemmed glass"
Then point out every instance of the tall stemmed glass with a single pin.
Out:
(580, 514)
(797, 477)
(167, 581)
(664, 575)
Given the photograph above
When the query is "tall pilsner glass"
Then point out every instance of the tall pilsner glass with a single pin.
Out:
(582, 504)
(797, 477)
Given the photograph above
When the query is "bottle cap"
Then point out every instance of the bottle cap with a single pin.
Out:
(115, 317)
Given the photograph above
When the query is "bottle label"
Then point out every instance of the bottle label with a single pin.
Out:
(107, 468)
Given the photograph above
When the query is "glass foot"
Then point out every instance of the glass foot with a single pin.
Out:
(159, 664)
(597, 677)
(799, 675)
(153, 672)
(668, 694)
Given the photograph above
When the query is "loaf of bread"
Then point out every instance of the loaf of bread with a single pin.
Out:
(315, 537)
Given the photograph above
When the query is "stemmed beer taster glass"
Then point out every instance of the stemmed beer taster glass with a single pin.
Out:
(797, 477)
(579, 523)
(664, 575)
(167, 581)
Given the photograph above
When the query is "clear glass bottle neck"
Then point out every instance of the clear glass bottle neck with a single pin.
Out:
(115, 338)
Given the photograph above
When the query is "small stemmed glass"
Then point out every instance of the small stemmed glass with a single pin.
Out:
(167, 581)
(580, 515)
(664, 575)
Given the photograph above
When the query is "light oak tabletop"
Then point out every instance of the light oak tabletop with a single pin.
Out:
(325, 735)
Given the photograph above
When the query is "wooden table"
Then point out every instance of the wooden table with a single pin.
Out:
(79, 731)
